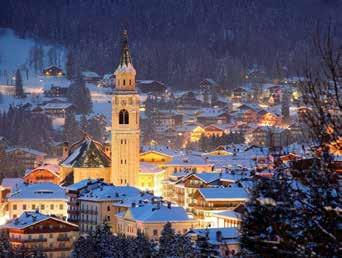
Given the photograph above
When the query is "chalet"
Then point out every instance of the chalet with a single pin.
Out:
(207, 201)
(228, 219)
(56, 91)
(212, 130)
(29, 158)
(223, 242)
(188, 101)
(43, 174)
(207, 116)
(58, 109)
(90, 77)
(274, 137)
(240, 94)
(151, 218)
(268, 119)
(35, 231)
(53, 71)
(151, 86)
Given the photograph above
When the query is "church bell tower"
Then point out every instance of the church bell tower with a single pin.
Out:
(125, 122)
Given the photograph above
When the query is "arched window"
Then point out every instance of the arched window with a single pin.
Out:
(124, 82)
(123, 117)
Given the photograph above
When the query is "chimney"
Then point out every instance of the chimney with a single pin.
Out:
(218, 236)
(65, 150)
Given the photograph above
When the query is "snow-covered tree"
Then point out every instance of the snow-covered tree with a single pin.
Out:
(71, 131)
(79, 95)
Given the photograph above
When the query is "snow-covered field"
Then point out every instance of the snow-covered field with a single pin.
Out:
(15, 54)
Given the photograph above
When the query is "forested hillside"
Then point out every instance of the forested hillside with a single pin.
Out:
(177, 41)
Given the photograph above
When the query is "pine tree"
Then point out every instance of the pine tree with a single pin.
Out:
(19, 90)
(71, 132)
(167, 242)
(79, 95)
(70, 66)
(184, 247)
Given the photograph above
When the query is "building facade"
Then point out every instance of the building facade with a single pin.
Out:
(125, 122)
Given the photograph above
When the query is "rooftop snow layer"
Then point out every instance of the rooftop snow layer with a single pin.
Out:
(152, 213)
(38, 191)
(221, 194)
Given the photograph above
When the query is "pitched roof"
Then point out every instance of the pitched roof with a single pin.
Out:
(151, 213)
(222, 194)
(229, 235)
(87, 154)
(40, 191)
(54, 169)
(11, 183)
(110, 193)
(29, 218)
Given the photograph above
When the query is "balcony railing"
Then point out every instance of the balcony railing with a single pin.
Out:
(90, 212)
(63, 238)
(27, 240)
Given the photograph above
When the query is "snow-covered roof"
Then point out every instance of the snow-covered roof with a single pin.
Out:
(90, 74)
(229, 215)
(210, 112)
(188, 160)
(142, 199)
(29, 218)
(160, 149)
(12, 183)
(147, 168)
(152, 213)
(28, 150)
(54, 169)
(110, 193)
(42, 191)
(82, 184)
(229, 235)
(57, 106)
(87, 153)
(222, 194)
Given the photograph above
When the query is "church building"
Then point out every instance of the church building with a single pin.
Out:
(125, 122)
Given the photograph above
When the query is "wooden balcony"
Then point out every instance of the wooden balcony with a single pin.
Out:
(63, 238)
(26, 240)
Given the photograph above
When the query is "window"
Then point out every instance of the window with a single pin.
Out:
(123, 117)
(42, 207)
(24, 206)
(33, 206)
(108, 208)
(124, 82)
(52, 206)
(14, 207)
(155, 232)
(130, 82)
(61, 206)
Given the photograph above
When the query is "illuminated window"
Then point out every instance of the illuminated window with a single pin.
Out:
(123, 117)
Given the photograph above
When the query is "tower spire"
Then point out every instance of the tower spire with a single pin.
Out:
(125, 58)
